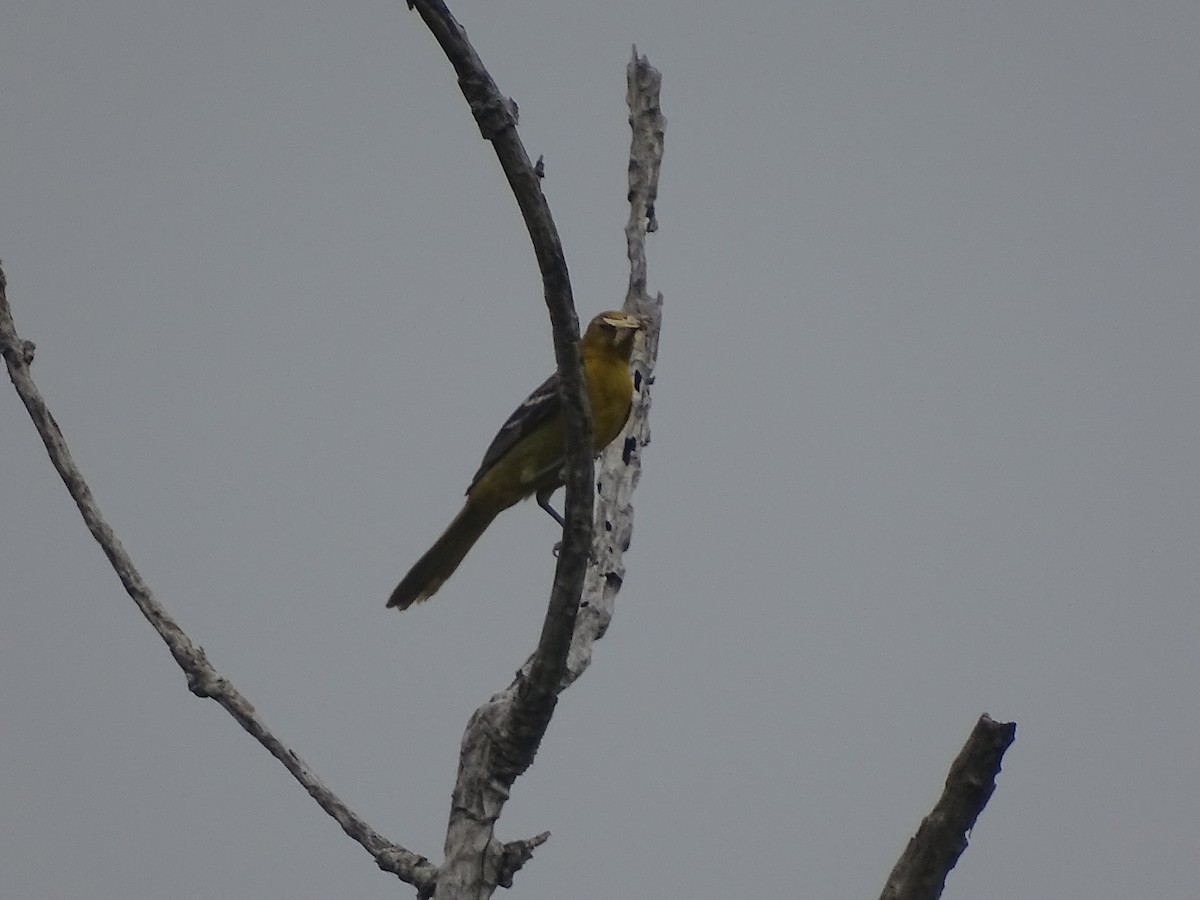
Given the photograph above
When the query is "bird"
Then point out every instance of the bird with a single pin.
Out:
(528, 454)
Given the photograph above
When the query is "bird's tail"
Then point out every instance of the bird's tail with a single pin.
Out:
(440, 560)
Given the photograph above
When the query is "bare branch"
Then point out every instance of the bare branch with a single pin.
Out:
(203, 680)
(516, 854)
(920, 873)
(503, 736)
(620, 466)
(497, 120)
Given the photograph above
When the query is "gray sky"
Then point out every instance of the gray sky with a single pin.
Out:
(925, 440)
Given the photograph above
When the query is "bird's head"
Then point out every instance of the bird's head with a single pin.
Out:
(615, 330)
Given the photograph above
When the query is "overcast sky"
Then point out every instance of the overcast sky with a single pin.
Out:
(926, 441)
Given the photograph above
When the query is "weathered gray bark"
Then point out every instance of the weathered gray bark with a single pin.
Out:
(620, 467)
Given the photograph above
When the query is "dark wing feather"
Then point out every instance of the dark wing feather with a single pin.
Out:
(538, 407)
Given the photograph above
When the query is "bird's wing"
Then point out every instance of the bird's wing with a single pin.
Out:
(538, 408)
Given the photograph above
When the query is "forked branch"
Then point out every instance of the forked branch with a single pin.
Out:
(503, 735)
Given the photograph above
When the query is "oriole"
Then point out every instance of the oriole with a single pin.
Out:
(527, 455)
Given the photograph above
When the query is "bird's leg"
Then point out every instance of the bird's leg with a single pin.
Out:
(543, 500)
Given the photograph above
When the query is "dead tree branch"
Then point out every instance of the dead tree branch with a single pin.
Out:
(620, 466)
(920, 873)
(503, 735)
(202, 678)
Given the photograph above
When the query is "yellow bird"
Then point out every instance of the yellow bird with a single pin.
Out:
(527, 455)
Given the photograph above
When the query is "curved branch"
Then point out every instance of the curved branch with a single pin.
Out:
(203, 680)
(497, 119)
(502, 737)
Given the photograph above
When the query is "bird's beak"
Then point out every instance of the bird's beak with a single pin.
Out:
(624, 320)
